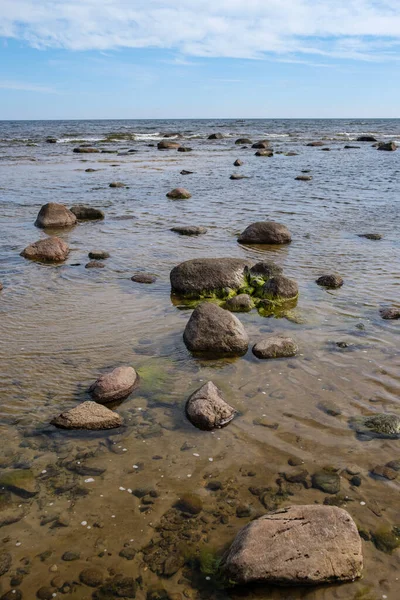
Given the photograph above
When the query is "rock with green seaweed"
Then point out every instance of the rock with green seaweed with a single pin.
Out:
(381, 425)
(386, 539)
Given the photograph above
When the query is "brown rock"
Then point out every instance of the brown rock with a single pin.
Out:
(239, 303)
(117, 184)
(315, 144)
(243, 141)
(85, 150)
(207, 410)
(115, 385)
(275, 346)
(92, 577)
(88, 415)
(303, 178)
(390, 313)
(98, 254)
(280, 287)
(179, 194)
(384, 471)
(261, 145)
(189, 230)
(49, 250)
(389, 146)
(87, 213)
(213, 330)
(238, 163)
(298, 545)
(215, 136)
(94, 264)
(55, 215)
(144, 278)
(163, 145)
(265, 152)
(265, 232)
(330, 281)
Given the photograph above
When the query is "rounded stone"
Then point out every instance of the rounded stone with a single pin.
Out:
(144, 278)
(239, 303)
(330, 281)
(179, 194)
(326, 481)
(92, 577)
(275, 346)
(238, 163)
(390, 314)
(117, 184)
(303, 178)
(206, 409)
(51, 249)
(45, 593)
(70, 556)
(189, 230)
(280, 287)
(87, 213)
(189, 503)
(114, 385)
(55, 215)
(94, 264)
(98, 254)
(265, 232)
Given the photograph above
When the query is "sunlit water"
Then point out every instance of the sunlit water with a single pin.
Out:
(60, 326)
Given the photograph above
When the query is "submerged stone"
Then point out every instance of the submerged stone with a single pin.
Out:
(298, 545)
(280, 288)
(275, 346)
(20, 482)
(88, 415)
(144, 278)
(207, 410)
(326, 481)
(215, 331)
(383, 425)
(189, 230)
(87, 213)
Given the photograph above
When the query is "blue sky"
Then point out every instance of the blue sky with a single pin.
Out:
(70, 59)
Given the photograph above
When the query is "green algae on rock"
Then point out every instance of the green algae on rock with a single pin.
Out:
(386, 540)
(19, 481)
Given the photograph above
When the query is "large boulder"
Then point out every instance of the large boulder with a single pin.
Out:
(179, 194)
(208, 277)
(298, 545)
(279, 288)
(265, 232)
(207, 410)
(163, 145)
(215, 331)
(55, 215)
(115, 385)
(87, 213)
(275, 346)
(51, 249)
(88, 415)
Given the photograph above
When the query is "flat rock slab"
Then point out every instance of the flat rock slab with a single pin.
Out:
(189, 230)
(275, 346)
(207, 410)
(88, 415)
(115, 385)
(298, 545)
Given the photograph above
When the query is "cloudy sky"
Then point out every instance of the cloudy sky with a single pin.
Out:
(199, 58)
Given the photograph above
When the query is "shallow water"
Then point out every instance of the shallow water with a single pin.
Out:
(60, 326)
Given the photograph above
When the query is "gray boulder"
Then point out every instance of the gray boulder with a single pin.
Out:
(87, 213)
(265, 232)
(51, 249)
(280, 288)
(207, 410)
(261, 145)
(264, 152)
(115, 385)
(215, 331)
(88, 415)
(208, 277)
(239, 303)
(55, 215)
(275, 346)
(189, 230)
(366, 138)
(298, 545)
(265, 269)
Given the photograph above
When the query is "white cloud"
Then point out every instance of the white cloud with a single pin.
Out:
(358, 29)
(26, 87)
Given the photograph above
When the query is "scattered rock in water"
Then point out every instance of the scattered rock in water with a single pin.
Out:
(117, 184)
(184, 149)
(88, 415)
(238, 163)
(315, 144)
(55, 215)
(208, 277)
(303, 178)
(243, 141)
(261, 145)
(179, 194)
(215, 136)
(51, 140)
(330, 281)
(94, 264)
(390, 314)
(85, 150)
(264, 153)
(297, 476)
(144, 278)
(19, 481)
(92, 577)
(1, 286)
(5, 562)
(128, 553)
(265, 232)
(98, 254)
(115, 385)
(90, 170)
(297, 545)
(87, 213)
(388, 146)
(184, 172)
(366, 138)
(236, 176)
(291, 154)
(14, 594)
(327, 481)
(280, 288)
(386, 540)
(275, 346)
(352, 147)
(164, 145)
(189, 230)
(51, 249)
(239, 303)
(207, 410)
(46, 593)
(189, 503)
(70, 556)
(383, 425)
(325, 149)
(370, 236)
(394, 464)
(215, 331)
(118, 587)
(384, 471)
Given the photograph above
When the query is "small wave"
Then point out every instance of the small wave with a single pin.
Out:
(70, 140)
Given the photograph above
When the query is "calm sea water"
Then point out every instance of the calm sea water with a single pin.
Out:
(60, 326)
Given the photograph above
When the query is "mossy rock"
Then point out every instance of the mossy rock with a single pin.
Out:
(386, 540)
